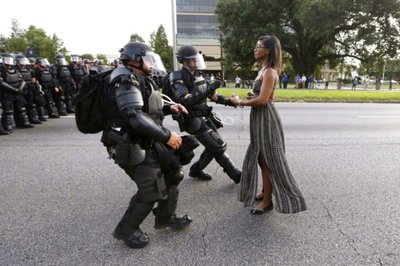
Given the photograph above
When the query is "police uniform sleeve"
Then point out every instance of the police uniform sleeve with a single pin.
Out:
(130, 102)
(180, 91)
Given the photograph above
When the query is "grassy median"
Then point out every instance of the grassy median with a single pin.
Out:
(320, 95)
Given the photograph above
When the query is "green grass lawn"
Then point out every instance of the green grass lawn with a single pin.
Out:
(315, 95)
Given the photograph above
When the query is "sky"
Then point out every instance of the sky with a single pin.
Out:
(94, 27)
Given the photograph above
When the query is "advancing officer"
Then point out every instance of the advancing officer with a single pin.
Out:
(191, 90)
(139, 144)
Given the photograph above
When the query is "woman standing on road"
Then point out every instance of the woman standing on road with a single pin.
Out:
(267, 146)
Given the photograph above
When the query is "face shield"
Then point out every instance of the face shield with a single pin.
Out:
(8, 60)
(62, 62)
(74, 59)
(23, 61)
(44, 62)
(200, 64)
(154, 61)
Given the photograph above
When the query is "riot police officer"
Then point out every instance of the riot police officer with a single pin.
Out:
(66, 84)
(30, 92)
(13, 104)
(191, 90)
(77, 70)
(136, 139)
(46, 78)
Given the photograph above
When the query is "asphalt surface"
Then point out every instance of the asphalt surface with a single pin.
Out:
(60, 197)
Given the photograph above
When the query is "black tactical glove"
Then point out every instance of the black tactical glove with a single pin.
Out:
(213, 86)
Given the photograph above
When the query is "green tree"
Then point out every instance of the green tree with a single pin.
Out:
(159, 43)
(87, 56)
(136, 38)
(17, 41)
(35, 38)
(102, 57)
(312, 32)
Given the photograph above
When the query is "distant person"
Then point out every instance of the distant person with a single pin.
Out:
(285, 80)
(366, 81)
(267, 147)
(303, 81)
(354, 82)
(238, 80)
(310, 82)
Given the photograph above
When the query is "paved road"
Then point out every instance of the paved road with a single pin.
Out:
(60, 197)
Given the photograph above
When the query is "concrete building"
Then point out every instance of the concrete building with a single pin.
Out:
(197, 25)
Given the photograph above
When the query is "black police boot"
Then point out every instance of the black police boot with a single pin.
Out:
(235, 175)
(22, 120)
(2, 130)
(136, 239)
(61, 108)
(41, 114)
(174, 222)
(53, 112)
(69, 107)
(200, 175)
(33, 116)
(229, 168)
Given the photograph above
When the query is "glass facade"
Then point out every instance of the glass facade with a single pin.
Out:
(196, 6)
(197, 30)
(197, 25)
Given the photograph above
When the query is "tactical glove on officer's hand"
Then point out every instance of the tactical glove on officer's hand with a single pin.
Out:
(215, 85)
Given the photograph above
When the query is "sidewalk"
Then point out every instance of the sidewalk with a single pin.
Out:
(359, 87)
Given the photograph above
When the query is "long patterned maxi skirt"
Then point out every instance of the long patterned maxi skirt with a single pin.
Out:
(266, 138)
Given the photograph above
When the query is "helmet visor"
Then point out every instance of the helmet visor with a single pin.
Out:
(201, 64)
(74, 59)
(62, 62)
(8, 60)
(154, 61)
(23, 61)
(43, 62)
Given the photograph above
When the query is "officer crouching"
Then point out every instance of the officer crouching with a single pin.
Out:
(137, 141)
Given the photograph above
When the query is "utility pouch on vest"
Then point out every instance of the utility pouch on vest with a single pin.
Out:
(215, 120)
(127, 153)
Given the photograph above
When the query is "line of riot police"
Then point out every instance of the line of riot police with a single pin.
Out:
(32, 90)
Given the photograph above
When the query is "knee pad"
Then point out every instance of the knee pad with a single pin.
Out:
(211, 141)
(174, 178)
(150, 182)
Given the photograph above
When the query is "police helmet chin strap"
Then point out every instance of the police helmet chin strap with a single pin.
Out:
(227, 121)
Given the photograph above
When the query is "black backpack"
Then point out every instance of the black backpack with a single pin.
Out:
(89, 102)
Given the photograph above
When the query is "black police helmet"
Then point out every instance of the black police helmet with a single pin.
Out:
(186, 52)
(22, 59)
(134, 51)
(8, 59)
